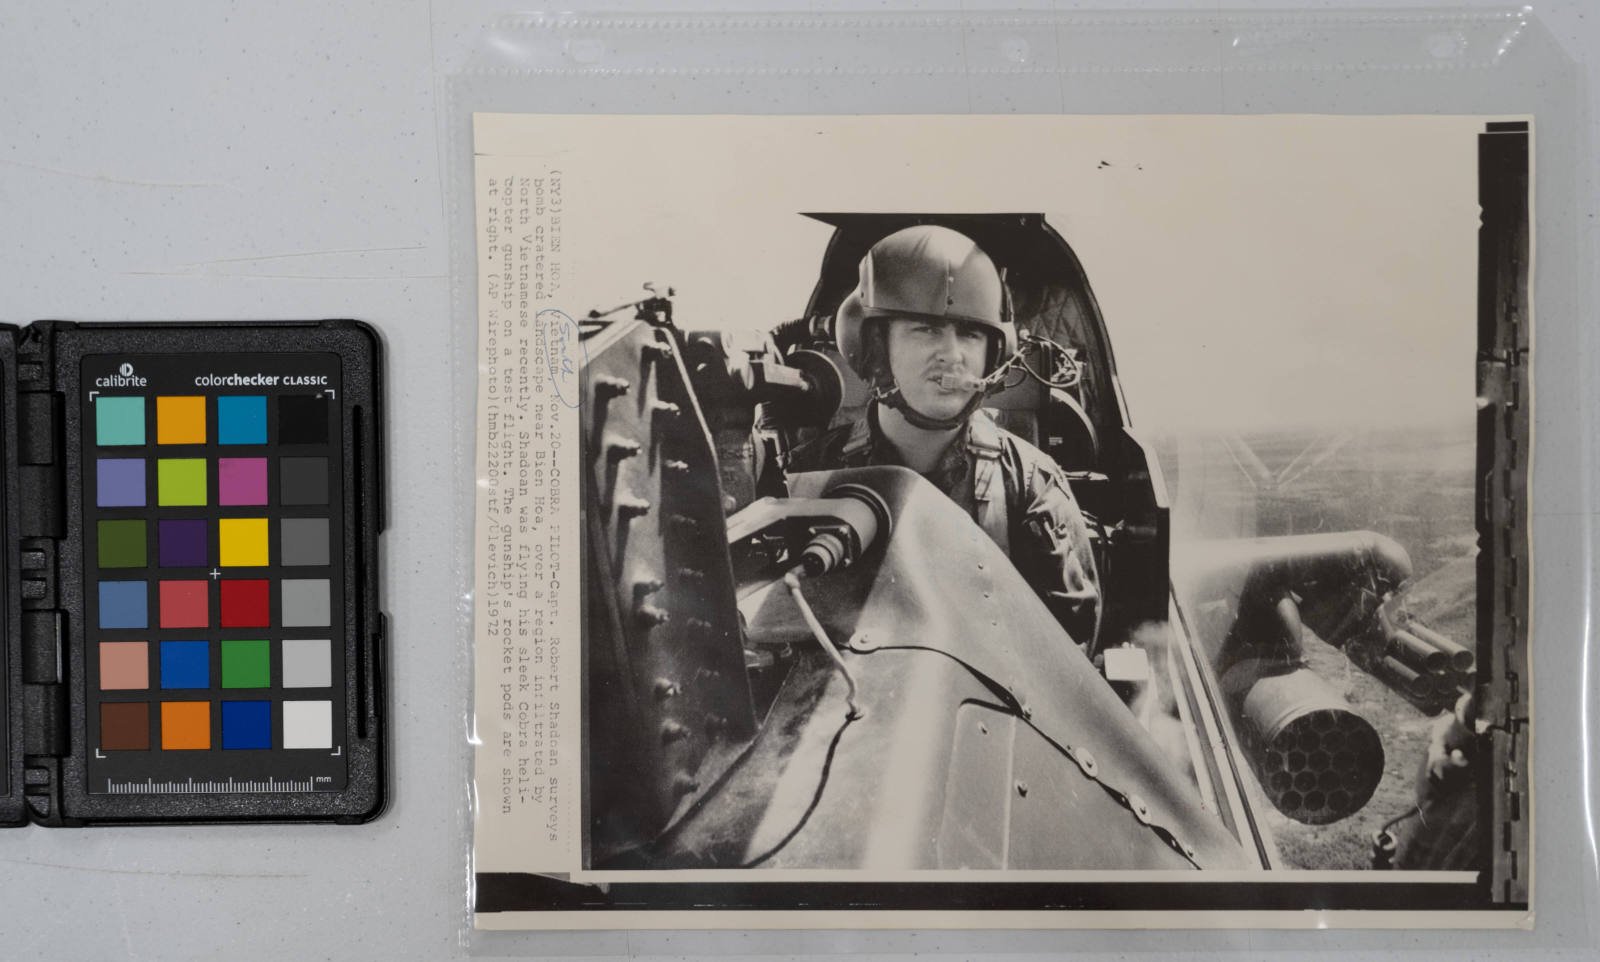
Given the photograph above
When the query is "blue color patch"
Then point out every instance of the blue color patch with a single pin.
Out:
(246, 724)
(124, 604)
(185, 664)
(242, 419)
(119, 482)
(119, 421)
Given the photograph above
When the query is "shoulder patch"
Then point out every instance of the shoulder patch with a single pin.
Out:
(858, 440)
(983, 436)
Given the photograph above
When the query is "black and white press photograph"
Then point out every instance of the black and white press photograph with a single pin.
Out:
(1014, 513)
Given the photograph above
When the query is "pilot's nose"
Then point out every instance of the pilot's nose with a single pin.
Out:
(947, 347)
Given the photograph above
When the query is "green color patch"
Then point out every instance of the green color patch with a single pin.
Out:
(181, 481)
(121, 544)
(246, 664)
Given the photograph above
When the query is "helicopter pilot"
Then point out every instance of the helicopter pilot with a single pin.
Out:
(927, 324)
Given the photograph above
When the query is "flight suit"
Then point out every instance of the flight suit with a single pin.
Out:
(1014, 491)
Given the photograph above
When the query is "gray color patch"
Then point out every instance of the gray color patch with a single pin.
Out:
(303, 541)
(305, 603)
(303, 481)
(306, 663)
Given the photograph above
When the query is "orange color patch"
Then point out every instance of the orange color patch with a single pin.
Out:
(185, 725)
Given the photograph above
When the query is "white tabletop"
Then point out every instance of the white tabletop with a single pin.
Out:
(208, 160)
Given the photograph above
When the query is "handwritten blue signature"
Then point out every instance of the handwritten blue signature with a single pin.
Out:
(564, 353)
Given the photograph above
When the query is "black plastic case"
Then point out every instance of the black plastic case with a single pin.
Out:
(55, 774)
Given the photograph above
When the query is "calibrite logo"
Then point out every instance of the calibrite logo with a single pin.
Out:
(123, 378)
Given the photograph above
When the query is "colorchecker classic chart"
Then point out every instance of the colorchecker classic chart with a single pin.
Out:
(216, 578)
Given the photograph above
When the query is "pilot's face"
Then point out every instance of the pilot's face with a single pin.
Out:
(921, 350)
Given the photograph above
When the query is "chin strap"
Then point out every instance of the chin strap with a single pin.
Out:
(891, 397)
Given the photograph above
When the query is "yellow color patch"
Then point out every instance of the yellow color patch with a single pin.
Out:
(180, 420)
(242, 542)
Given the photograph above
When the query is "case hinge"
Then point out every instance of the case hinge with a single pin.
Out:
(46, 728)
(39, 474)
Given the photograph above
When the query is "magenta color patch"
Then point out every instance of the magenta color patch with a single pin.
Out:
(242, 480)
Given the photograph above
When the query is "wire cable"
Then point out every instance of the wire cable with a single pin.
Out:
(792, 580)
(816, 797)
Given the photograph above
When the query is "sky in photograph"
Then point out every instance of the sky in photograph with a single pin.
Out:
(1254, 273)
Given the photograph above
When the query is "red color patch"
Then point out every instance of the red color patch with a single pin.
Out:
(184, 604)
(244, 604)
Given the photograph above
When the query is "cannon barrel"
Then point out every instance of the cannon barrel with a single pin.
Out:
(1418, 654)
(1416, 660)
(1400, 675)
(1461, 659)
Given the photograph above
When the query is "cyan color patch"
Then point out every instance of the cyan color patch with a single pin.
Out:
(119, 421)
(242, 419)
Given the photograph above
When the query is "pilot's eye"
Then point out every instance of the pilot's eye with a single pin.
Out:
(969, 334)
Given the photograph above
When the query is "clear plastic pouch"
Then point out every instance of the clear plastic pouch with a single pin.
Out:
(1242, 207)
